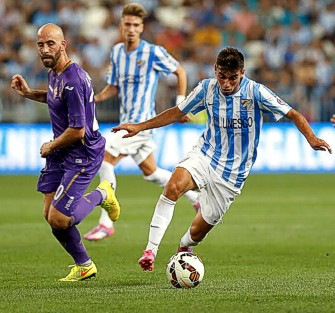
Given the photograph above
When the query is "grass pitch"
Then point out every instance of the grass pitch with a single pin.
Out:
(273, 253)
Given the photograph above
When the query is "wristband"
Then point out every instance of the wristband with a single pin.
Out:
(179, 99)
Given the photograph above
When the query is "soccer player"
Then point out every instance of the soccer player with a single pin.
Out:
(76, 152)
(133, 73)
(221, 161)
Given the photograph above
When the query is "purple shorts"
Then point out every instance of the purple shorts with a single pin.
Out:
(69, 178)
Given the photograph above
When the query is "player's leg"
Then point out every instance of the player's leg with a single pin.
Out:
(161, 177)
(194, 234)
(63, 224)
(68, 208)
(216, 197)
(105, 227)
(49, 182)
(181, 181)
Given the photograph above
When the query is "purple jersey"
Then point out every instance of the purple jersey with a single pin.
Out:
(71, 104)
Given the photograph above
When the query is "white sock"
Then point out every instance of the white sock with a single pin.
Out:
(106, 172)
(186, 240)
(161, 178)
(160, 221)
(105, 220)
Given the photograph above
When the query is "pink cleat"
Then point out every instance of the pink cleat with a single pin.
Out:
(147, 260)
(100, 232)
(186, 249)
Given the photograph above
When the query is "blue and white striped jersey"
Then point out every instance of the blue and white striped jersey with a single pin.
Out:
(233, 126)
(136, 75)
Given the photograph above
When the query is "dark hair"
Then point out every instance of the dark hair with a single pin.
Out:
(230, 59)
(134, 9)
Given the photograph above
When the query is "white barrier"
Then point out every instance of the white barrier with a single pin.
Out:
(281, 149)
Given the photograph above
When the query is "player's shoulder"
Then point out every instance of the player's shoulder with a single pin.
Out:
(117, 46)
(75, 74)
(208, 83)
(153, 47)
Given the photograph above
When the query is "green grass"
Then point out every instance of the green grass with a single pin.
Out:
(273, 253)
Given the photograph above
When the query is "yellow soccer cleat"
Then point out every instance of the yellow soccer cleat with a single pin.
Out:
(79, 272)
(110, 204)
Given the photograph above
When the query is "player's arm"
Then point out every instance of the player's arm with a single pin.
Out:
(181, 83)
(301, 123)
(181, 90)
(167, 117)
(70, 136)
(106, 93)
(20, 85)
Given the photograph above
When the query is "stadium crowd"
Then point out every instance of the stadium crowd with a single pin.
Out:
(289, 46)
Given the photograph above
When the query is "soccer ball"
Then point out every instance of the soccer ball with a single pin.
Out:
(185, 270)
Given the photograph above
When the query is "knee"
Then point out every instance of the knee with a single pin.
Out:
(172, 191)
(57, 221)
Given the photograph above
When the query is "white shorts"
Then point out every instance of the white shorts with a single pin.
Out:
(138, 147)
(216, 195)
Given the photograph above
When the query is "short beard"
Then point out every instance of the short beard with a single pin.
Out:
(51, 64)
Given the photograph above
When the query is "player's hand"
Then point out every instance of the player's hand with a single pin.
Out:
(20, 85)
(132, 129)
(332, 119)
(46, 149)
(185, 119)
(320, 144)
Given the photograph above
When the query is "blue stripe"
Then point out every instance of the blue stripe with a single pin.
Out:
(217, 134)
(136, 85)
(125, 83)
(245, 149)
(154, 85)
(117, 69)
(257, 121)
(230, 138)
(207, 135)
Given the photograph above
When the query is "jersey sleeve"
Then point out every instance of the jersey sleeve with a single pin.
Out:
(271, 104)
(75, 99)
(195, 101)
(163, 61)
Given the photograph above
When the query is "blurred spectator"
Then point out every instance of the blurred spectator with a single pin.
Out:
(290, 45)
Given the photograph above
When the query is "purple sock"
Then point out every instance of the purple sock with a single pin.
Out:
(85, 206)
(71, 241)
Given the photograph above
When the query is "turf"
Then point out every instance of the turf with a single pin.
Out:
(273, 253)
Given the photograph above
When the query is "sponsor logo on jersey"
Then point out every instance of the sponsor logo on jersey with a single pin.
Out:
(134, 79)
(237, 123)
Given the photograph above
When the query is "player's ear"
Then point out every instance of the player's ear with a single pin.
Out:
(63, 45)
